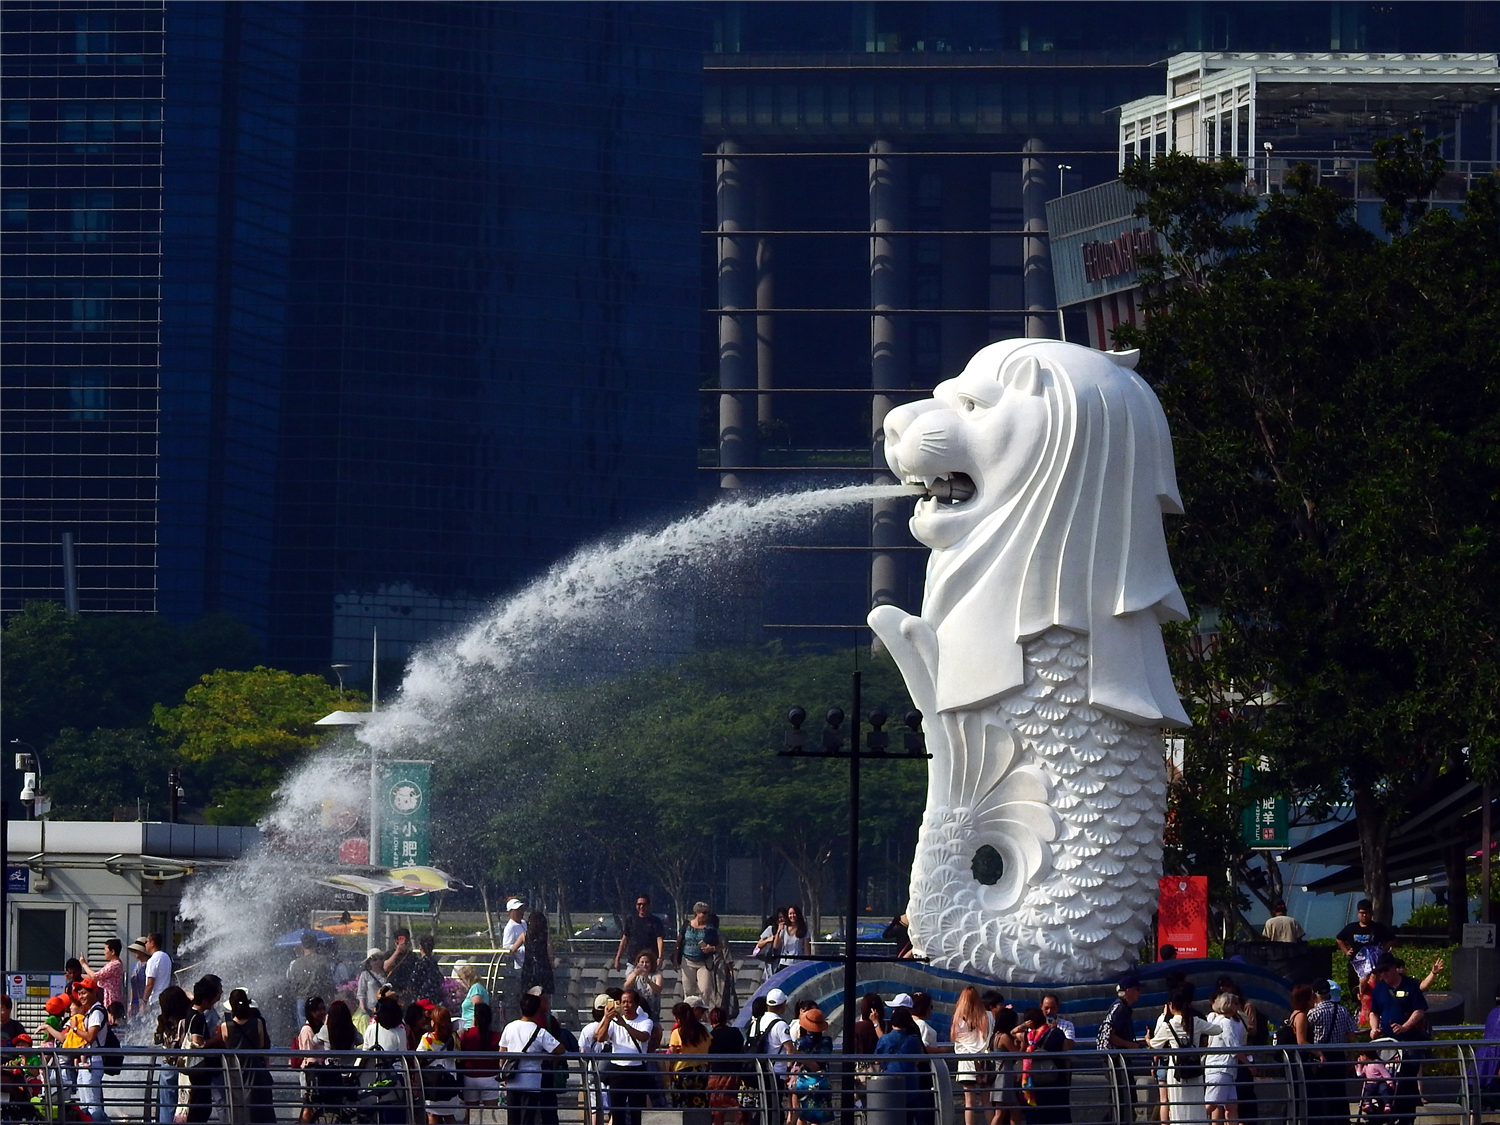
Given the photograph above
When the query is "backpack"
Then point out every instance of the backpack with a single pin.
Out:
(1186, 1067)
(113, 1059)
(755, 1037)
(814, 1043)
(814, 1097)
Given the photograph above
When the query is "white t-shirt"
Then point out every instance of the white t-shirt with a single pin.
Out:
(387, 1038)
(94, 1017)
(792, 945)
(927, 1032)
(623, 1046)
(514, 930)
(514, 1038)
(778, 1035)
(158, 971)
(1068, 1029)
(586, 1041)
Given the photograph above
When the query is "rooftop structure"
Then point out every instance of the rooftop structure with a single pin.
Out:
(1220, 104)
(1271, 111)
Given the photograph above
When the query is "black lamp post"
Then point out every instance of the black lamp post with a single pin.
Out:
(877, 746)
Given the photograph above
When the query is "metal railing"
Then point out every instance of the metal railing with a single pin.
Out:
(1429, 1083)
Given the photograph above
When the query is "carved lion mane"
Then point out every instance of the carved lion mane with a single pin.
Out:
(1035, 547)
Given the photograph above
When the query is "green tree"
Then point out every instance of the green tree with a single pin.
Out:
(643, 772)
(106, 670)
(241, 731)
(1333, 402)
(91, 774)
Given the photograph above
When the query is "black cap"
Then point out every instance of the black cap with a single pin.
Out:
(1386, 962)
(1129, 982)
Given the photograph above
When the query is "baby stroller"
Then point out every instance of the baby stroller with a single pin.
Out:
(1377, 1094)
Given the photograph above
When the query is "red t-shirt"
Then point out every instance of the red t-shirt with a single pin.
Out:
(471, 1042)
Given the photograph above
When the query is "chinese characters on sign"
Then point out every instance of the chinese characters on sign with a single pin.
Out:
(405, 823)
(1264, 825)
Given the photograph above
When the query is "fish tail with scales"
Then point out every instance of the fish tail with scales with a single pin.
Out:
(1095, 860)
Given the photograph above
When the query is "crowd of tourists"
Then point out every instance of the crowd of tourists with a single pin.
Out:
(1012, 1064)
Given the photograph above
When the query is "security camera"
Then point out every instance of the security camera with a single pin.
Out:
(28, 787)
(1266, 145)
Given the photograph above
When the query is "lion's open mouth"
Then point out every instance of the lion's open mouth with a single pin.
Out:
(951, 490)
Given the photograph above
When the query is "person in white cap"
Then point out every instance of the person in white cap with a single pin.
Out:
(770, 1033)
(514, 938)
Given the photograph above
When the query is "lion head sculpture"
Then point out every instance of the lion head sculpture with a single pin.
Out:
(1057, 463)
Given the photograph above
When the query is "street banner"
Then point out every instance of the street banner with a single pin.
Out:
(405, 826)
(1264, 821)
(1182, 915)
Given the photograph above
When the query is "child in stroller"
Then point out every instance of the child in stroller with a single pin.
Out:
(1377, 1093)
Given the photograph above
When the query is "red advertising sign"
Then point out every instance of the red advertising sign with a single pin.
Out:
(1182, 915)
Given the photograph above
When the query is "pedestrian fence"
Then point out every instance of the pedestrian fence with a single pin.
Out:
(1429, 1083)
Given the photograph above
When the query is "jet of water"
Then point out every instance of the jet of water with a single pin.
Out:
(601, 582)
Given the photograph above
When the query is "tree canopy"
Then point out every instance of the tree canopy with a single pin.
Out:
(81, 690)
(245, 730)
(662, 764)
(1333, 397)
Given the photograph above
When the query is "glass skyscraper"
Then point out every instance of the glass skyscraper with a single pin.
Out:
(81, 253)
(402, 304)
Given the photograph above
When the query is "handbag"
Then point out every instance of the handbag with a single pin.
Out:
(511, 1064)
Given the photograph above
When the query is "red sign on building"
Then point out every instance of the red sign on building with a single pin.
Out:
(1182, 915)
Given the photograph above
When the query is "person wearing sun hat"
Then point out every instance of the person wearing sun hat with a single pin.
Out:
(138, 975)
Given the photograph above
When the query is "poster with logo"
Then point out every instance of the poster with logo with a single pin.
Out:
(405, 825)
(1182, 915)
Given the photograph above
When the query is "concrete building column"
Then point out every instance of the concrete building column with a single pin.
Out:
(765, 298)
(888, 357)
(1037, 294)
(737, 347)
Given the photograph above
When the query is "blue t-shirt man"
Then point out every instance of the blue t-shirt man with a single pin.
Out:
(1397, 1002)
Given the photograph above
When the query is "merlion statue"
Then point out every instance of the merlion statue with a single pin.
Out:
(1038, 658)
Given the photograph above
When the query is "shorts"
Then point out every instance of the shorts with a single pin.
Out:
(974, 1070)
(483, 1089)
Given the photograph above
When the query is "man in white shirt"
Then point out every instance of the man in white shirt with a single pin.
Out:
(158, 969)
(627, 1029)
(1280, 927)
(771, 1029)
(528, 1038)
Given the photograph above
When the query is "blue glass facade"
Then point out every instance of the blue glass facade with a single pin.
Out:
(428, 299)
(80, 254)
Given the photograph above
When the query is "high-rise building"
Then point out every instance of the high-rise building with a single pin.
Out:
(81, 259)
(400, 305)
